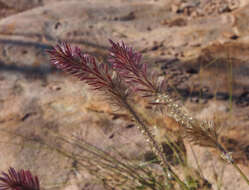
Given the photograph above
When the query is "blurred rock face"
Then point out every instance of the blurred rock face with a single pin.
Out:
(204, 56)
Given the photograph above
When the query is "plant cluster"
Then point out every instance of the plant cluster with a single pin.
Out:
(120, 80)
(123, 77)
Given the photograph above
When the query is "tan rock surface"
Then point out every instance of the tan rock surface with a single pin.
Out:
(195, 52)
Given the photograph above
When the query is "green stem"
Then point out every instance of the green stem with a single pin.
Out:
(155, 146)
(229, 158)
(241, 173)
(179, 181)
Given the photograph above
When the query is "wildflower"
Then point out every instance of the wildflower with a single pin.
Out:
(128, 63)
(124, 75)
(113, 79)
(19, 180)
(100, 77)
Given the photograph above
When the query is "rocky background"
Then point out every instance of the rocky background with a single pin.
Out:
(200, 46)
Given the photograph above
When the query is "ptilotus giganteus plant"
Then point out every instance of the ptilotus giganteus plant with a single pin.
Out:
(19, 180)
(124, 76)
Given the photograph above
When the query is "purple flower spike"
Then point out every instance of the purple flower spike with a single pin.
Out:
(127, 62)
(84, 66)
(124, 71)
(18, 180)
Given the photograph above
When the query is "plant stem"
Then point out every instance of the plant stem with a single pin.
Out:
(155, 146)
(229, 158)
(240, 172)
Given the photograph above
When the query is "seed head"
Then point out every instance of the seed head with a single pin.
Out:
(18, 180)
(127, 62)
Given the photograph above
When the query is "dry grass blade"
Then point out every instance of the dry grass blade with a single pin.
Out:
(108, 163)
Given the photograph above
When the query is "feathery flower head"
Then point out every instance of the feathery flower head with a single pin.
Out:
(19, 180)
(127, 62)
(85, 67)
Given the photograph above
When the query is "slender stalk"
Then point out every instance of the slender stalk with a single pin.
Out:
(229, 159)
(241, 173)
(157, 148)
(196, 161)
(110, 159)
(120, 167)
